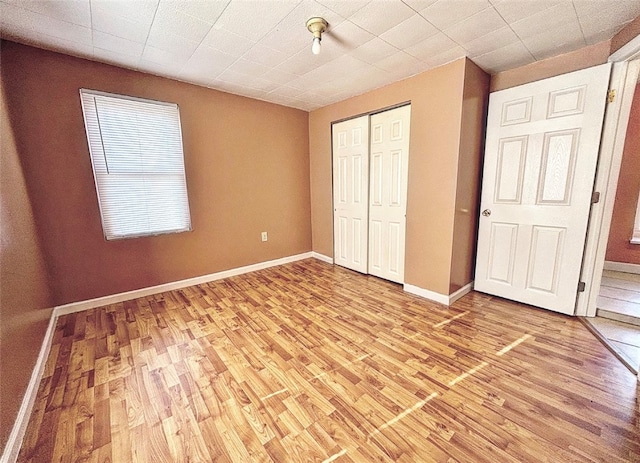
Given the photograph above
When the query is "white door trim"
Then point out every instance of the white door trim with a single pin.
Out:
(623, 80)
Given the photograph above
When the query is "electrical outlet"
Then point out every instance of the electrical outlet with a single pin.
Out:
(264, 236)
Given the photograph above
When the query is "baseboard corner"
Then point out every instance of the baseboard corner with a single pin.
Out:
(322, 257)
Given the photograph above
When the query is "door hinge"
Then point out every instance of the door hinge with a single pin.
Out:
(611, 95)
(581, 286)
(595, 197)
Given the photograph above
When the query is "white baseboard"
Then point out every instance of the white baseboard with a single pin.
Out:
(621, 267)
(461, 292)
(322, 257)
(11, 450)
(437, 297)
(142, 292)
(14, 443)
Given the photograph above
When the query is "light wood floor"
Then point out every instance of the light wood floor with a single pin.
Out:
(619, 297)
(308, 362)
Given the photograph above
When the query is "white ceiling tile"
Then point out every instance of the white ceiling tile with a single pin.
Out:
(305, 82)
(298, 64)
(379, 16)
(475, 26)
(248, 67)
(374, 50)
(400, 61)
(515, 10)
(171, 43)
(231, 87)
(29, 23)
(117, 45)
(228, 42)
(63, 46)
(158, 69)
(419, 5)
(345, 64)
(207, 61)
(117, 59)
(131, 29)
(446, 13)
(447, 56)
(409, 32)
(164, 58)
(248, 81)
(285, 91)
(504, 58)
(431, 46)
(16, 22)
(555, 18)
(342, 7)
(139, 11)
(552, 43)
(345, 36)
(595, 17)
(205, 10)
(265, 55)
(280, 77)
(496, 39)
(169, 20)
(202, 73)
(73, 11)
(245, 18)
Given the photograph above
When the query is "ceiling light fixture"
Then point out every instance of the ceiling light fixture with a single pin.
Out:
(316, 26)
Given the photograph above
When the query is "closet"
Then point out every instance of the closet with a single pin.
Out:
(370, 172)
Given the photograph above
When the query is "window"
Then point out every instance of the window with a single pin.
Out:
(138, 164)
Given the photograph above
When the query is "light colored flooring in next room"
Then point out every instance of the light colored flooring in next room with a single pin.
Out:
(619, 297)
(618, 320)
(311, 362)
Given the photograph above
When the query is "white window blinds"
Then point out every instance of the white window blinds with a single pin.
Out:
(138, 164)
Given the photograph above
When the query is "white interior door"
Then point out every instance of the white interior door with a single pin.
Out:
(388, 171)
(350, 192)
(540, 159)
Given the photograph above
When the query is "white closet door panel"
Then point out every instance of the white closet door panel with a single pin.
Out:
(390, 131)
(351, 193)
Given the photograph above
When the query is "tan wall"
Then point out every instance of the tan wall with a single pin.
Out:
(24, 290)
(550, 67)
(247, 171)
(619, 249)
(436, 111)
(474, 112)
(629, 32)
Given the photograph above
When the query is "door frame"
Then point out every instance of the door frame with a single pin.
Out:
(624, 78)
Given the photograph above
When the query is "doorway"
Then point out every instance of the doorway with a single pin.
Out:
(617, 320)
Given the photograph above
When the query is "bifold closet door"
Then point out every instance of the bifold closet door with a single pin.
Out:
(351, 192)
(388, 174)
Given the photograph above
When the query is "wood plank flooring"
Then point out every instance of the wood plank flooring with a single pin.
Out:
(619, 297)
(309, 362)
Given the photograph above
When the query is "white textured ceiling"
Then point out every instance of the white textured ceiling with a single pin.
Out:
(261, 48)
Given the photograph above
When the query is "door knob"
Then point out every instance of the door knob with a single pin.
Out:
(486, 212)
